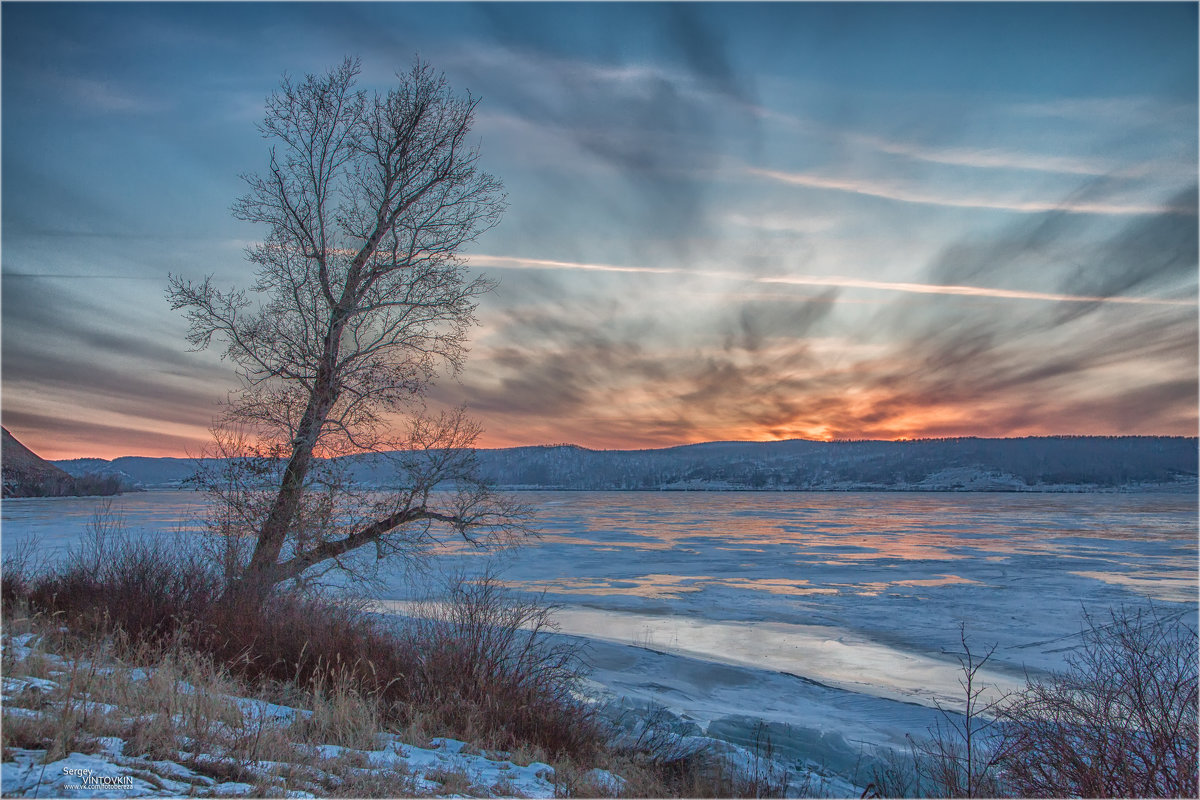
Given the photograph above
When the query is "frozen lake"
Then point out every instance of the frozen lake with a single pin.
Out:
(796, 607)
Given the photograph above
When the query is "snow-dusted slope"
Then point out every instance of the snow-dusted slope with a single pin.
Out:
(1069, 463)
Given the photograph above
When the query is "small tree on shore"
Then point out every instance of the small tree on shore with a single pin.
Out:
(961, 756)
(360, 300)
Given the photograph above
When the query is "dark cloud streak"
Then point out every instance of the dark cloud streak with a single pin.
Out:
(950, 353)
(571, 362)
(658, 131)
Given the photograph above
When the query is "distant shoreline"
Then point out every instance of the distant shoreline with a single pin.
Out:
(1026, 465)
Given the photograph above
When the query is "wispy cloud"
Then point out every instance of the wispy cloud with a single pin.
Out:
(1118, 109)
(106, 95)
(514, 262)
(891, 191)
(834, 281)
(972, 157)
(1093, 116)
(523, 59)
(990, 157)
(969, 291)
(778, 223)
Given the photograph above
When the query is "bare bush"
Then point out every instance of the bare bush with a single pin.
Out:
(483, 667)
(961, 755)
(488, 662)
(111, 580)
(1121, 721)
(19, 566)
(892, 775)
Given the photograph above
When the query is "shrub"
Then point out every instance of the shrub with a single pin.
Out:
(489, 667)
(481, 667)
(1121, 721)
(149, 593)
(15, 576)
(961, 756)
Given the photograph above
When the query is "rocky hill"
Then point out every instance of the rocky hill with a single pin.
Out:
(26, 474)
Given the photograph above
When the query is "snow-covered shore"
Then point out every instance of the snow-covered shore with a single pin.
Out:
(110, 768)
(811, 762)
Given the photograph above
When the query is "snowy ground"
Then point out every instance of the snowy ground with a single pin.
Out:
(395, 768)
(112, 766)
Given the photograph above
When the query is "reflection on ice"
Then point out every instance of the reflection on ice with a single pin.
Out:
(1177, 586)
(660, 587)
(875, 587)
(664, 586)
(827, 655)
(796, 587)
(900, 570)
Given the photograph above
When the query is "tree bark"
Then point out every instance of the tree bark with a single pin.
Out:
(262, 571)
(371, 533)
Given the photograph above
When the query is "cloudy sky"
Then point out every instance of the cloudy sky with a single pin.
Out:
(726, 221)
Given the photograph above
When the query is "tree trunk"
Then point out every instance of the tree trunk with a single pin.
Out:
(262, 573)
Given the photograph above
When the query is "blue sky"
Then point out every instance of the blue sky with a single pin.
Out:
(747, 221)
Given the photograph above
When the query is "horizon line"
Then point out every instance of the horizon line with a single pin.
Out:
(549, 445)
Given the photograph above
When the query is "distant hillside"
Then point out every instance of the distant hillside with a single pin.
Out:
(1045, 464)
(136, 470)
(966, 464)
(26, 474)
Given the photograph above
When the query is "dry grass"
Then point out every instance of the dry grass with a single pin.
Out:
(481, 669)
(43, 733)
(893, 774)
(67, 716)
(183, 710)
(453, 781)
(395, 782)
(341, 715)
(182, 703)
(706, 775)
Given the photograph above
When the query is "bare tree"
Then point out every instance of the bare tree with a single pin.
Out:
(360, 300)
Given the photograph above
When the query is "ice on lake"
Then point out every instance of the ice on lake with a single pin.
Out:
(829, 611)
